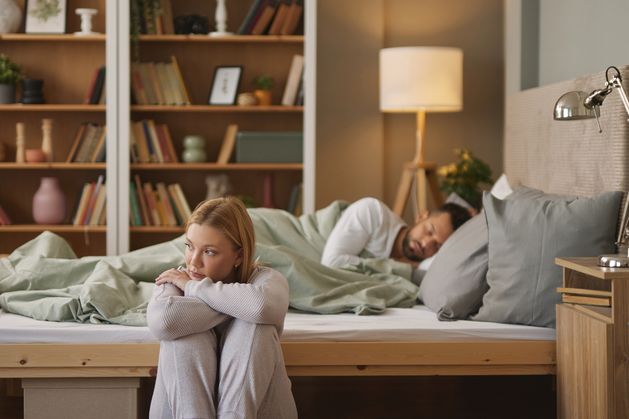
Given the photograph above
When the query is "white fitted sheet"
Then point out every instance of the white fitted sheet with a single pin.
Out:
(396, 324)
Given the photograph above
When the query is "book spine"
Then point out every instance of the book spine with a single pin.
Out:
(146, 216)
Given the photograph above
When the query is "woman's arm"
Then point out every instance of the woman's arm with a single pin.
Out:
(170, 315)
(264, 300)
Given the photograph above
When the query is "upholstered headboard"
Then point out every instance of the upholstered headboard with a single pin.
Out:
(567, 157)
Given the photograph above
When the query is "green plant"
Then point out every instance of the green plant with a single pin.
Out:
(465, 177)
(10, 73)
(264, 82)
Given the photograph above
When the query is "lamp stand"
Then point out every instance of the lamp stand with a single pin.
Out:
(421, 171)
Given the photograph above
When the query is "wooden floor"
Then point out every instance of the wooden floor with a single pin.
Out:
(471, 397)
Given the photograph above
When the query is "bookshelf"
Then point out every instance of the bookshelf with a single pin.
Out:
(65, 62)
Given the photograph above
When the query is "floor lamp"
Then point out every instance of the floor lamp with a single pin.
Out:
(420, 80)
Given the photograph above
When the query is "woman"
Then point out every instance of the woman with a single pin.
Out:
(219, 322)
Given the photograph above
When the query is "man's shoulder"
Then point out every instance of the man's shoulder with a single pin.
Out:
(369, 203)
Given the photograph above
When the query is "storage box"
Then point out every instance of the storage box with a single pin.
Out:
(269, 147)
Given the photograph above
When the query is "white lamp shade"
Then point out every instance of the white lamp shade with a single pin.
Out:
(421, 78)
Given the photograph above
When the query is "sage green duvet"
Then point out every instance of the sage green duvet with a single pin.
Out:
(45, 280)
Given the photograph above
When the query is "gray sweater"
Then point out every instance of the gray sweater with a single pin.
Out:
(172, 314)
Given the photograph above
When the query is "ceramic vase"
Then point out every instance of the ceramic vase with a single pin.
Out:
(49, 202)
(194, 149)
(10, 16)
(7, 93)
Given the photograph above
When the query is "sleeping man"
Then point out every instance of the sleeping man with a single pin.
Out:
(368, 228)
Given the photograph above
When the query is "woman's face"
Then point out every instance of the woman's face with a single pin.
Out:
(209, 253)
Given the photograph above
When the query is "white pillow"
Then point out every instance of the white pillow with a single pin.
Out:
(455, 198)
(501, 188)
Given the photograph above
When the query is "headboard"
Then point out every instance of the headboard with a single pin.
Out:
(567, 157)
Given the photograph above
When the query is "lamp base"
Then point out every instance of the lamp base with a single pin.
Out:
(613, 261)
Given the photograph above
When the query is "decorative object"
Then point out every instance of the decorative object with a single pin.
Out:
(191, 24)
(10, 16)
(247, 99)
(49, 202)
(420, 80)
(217, 186)
(10, 74)
(19, 143)
(577, 105)
(225, 85)
(35, 155)
(46, 142)
(32, 91)
(220, 17)
(263, 84)
(194, 149)
(46, 16)
(465, 177)
(86, 20)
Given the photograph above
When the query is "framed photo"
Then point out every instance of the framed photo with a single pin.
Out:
(46, 16)
(225, 85)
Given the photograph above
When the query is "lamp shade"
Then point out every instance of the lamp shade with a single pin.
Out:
(421, 78)
(571, 106)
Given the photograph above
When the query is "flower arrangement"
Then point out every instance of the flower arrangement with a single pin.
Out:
(465, 177)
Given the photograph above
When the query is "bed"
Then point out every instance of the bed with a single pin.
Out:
(82, 365)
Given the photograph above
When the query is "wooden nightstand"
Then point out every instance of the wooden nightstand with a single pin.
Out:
(592, 341)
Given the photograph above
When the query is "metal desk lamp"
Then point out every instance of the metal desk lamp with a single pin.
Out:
(580, 105)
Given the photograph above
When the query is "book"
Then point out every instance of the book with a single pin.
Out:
(98, 86)
(85, 220)
(158, 93)
(98, 156)
(229, 142)
(280, 17)
(88, 143)
(144, 210)
(292, 200)
(266, 14)
(77, 142)
(181, 83)
(91, 86)
(85, 196)
(151, 134)
(99, 206)
(169, 214)
(135, 216)
(165, 132)
(292, 82)
(137, 86)
(293, 17)
(164, 84)
(177, 205)
(141, 142)
(151, 203)
(247, 23)
(182, 200)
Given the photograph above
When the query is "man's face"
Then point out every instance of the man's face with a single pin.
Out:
(427, 235)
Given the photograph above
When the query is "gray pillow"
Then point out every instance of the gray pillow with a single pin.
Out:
(526, 234)
(454, 285)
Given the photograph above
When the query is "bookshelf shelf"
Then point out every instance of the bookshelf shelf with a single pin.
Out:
(208, 108)
(224, 39)
(51, 38)
(19, 107)
(216, 166)
(52, 166)
(56, 228)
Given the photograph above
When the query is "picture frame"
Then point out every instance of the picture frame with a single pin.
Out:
(46, 16)
(225, 85)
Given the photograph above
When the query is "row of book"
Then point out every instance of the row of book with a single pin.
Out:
(89, 144)
(272, 17)
(158, 83)
(151, 23)
(95, 93)
(151, 143)
(4, 217)
(158, 205)
(92, 203)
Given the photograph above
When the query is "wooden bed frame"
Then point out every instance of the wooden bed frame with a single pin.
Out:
(109, 373)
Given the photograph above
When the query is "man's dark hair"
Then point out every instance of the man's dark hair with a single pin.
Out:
(458, 214)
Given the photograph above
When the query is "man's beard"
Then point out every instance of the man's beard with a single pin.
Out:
(406, 250)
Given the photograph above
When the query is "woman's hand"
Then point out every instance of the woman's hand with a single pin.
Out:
(177, 277)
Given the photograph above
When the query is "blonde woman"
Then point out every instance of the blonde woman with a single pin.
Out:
(219, 320)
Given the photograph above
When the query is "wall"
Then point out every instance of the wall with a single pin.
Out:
(360, 151)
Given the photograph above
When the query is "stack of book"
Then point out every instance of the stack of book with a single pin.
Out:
(155, 21)
(158, 84)
(4, 217)
(151, 143)
(158, 205)
(89, 144)
(91, 208)
(272, 17)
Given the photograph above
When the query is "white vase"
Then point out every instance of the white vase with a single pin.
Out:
(10, 16)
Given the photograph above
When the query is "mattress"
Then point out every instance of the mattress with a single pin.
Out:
(395, 324)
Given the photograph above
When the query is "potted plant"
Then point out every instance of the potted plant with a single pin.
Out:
(465, 177)
(10, 74)
(263, 85)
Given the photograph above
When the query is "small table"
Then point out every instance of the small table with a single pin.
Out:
(592, 340)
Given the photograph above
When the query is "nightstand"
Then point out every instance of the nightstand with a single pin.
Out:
(592, 341)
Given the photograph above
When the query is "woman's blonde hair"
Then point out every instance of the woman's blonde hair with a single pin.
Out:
(230, 216)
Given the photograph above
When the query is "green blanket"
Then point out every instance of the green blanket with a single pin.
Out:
(45, 280)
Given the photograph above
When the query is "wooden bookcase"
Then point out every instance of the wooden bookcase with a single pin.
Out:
(67, 62)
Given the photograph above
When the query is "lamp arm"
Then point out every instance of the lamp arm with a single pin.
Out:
(616, 83)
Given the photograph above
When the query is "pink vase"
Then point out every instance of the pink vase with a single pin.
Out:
(49, 202)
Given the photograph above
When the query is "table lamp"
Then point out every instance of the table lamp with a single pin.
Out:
(420, 80)
(580, 105)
